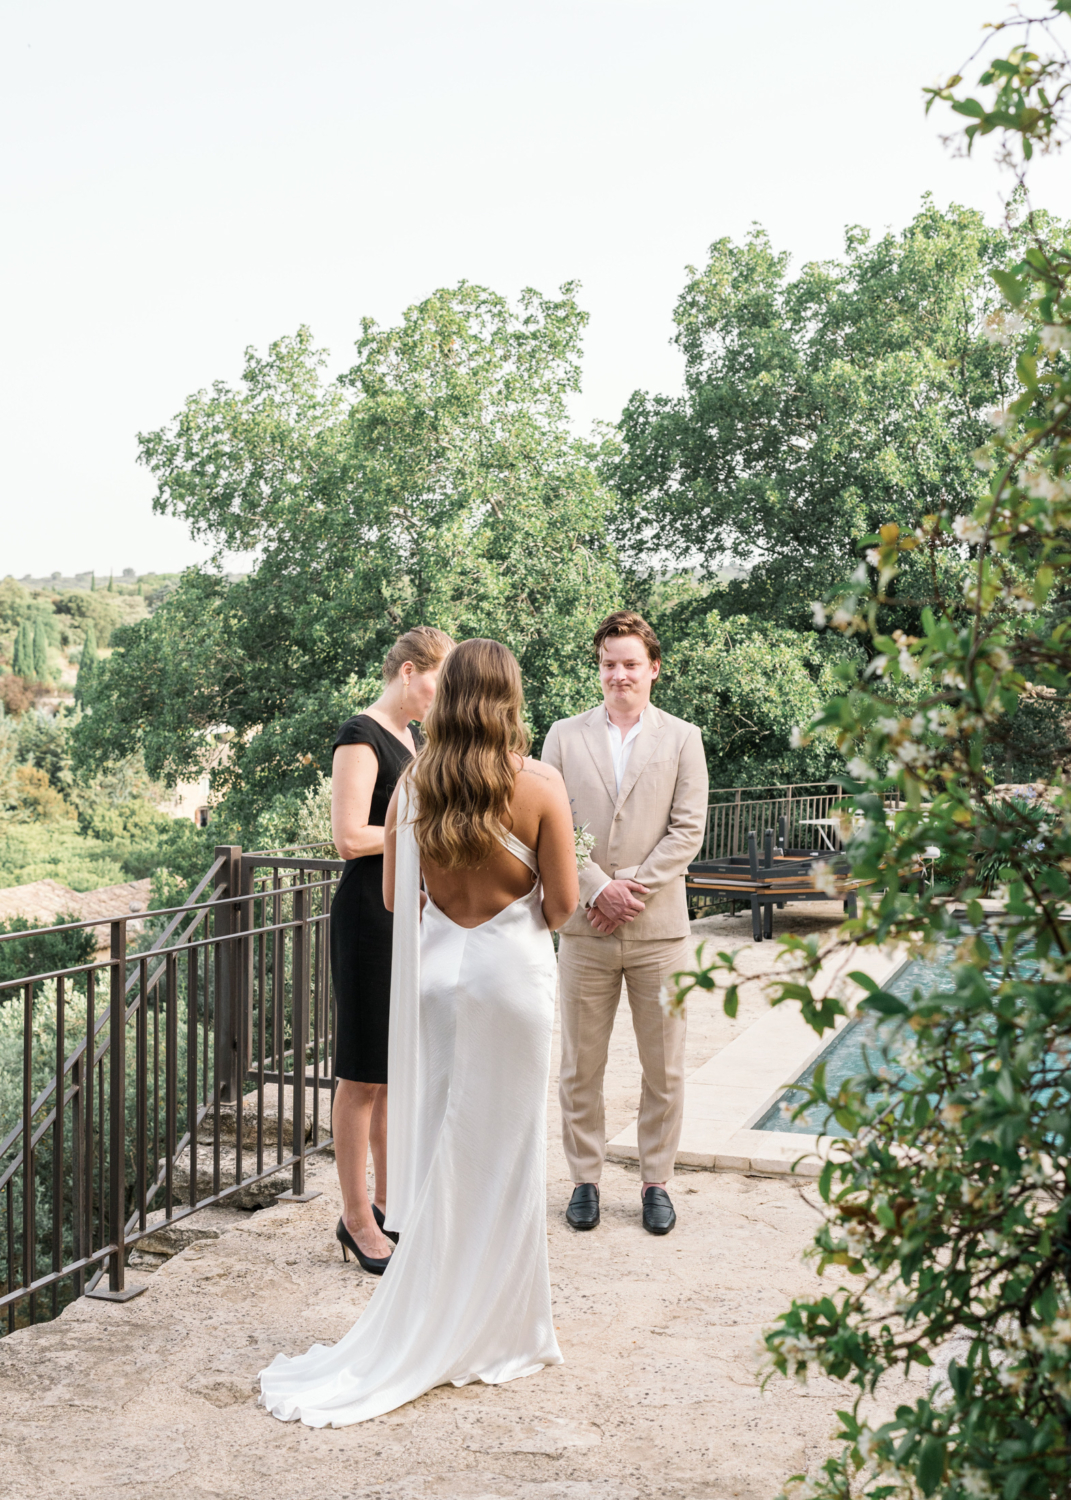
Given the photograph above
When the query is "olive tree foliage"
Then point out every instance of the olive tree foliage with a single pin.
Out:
(948, 1211)
(748, 683)
(435, 481)
(816, 406)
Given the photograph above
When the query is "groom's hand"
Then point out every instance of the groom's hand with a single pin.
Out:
(616, 903)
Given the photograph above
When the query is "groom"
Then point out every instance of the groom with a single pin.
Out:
(638, 778)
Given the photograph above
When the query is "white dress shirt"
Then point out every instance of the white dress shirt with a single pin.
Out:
(620, 751)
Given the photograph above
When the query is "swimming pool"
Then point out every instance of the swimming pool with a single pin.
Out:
(843, 1057)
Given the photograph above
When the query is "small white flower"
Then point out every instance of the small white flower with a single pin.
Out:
(908, 664)
(669, 1003)
(1053, 338)
(1000, 418)
(860, 575)
(873, 557)
(841, 618)
(877, 667)
(818, 614)
(969, 530)
(858, 769)
(796, 738)
(823, 876)
(887, 726)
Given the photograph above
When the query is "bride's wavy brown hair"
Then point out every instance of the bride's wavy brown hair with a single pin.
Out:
(464, 774)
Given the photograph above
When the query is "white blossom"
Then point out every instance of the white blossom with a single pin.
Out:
(858, 768)
(1000, 659)
(873, 557)
(818, 614)
(887, 726)
(1054, 337)
(908, 664)
(860, 575)
(969, 530)
(1003, 327)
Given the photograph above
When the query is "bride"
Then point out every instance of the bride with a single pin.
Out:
(466, 1295)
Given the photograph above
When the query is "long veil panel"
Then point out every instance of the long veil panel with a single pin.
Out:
(403, 1051)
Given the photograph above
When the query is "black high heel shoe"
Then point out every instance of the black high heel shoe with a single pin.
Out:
(366, 1262)
(381, 1221)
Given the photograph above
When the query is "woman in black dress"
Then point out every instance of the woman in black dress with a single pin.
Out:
(370, 751)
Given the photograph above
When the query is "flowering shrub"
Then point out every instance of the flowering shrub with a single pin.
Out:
(948, 1213)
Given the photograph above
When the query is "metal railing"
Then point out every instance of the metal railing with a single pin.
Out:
(160, 1081)
(734, 812)
(156, 1081)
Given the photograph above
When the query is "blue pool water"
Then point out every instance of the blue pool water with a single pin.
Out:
(844, 1055)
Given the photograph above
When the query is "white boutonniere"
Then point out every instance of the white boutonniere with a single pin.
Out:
(583, 842)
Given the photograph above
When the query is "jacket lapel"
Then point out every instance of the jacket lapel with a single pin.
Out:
(597, 739)
(646, 744)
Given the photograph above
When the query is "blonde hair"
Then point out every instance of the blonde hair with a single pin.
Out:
(464, 774)
(424, 646)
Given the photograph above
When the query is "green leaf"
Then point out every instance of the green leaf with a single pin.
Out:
(884, 1004)
(731, 1002)
(1011, 286)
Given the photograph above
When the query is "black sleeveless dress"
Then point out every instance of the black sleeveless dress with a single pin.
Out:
(362, 927)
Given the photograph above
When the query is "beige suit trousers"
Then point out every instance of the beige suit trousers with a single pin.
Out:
(590, 971)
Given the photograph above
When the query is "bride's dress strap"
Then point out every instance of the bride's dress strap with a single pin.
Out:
(522, 851)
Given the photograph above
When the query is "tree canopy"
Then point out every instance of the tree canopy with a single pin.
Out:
(436, 481)
(816, 407)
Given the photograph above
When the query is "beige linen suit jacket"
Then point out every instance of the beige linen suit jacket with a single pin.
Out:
(651, 830)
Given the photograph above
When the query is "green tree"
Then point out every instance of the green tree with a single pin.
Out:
(40, 651)
(23, 661)
(747, 684)
(949, 1206)
(436, 480)
(87, 663)
(816, 407)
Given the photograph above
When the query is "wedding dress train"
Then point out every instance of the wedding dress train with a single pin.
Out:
(466, 1295)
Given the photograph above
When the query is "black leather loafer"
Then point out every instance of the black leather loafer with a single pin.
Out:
(658, 1214)
(583, 1210)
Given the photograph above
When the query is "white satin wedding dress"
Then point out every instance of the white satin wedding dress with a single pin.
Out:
(466, 1295)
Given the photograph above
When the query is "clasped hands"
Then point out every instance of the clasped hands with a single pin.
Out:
(615, 904)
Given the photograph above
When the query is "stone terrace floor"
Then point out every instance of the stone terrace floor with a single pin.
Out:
(658, 1397)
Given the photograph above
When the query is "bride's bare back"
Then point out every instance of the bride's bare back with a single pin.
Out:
(540, 818)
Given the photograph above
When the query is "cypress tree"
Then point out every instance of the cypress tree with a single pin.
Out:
(22, 662)
(86, 664)
(40, 651)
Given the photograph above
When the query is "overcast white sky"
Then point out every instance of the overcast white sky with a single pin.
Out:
(180, 181)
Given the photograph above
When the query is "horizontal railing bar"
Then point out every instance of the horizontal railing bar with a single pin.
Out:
(103, 1020)
(121, 916)
(282, 864)
(101, 964)
(322, 1081)
(163, 911)
(190, 899)
(132, 1239)
(54, 1276)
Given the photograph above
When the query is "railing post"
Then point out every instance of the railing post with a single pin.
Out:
(116, 1291)
(229, 1068)
(299, 1032)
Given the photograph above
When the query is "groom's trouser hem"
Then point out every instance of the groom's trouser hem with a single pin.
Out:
(591, 970)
